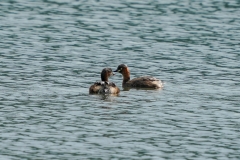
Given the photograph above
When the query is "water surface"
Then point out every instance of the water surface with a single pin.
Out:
(52, 51)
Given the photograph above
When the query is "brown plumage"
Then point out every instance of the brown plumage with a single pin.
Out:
(104, 87)
(141, 82)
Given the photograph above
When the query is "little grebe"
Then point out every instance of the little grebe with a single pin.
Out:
(141, 82)
(104, 87)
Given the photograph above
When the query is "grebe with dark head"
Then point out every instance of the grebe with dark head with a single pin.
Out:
(141, 82)
(104, 87)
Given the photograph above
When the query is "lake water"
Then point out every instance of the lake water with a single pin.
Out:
(53, 50)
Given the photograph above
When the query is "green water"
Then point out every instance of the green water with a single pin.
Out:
(52, 51)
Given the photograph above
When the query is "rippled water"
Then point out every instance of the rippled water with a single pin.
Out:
(53, 50)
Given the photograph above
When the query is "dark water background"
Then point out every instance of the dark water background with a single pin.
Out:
(51, 51)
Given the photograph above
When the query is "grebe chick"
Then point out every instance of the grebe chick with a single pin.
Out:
(104, 87)
(141, 82)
